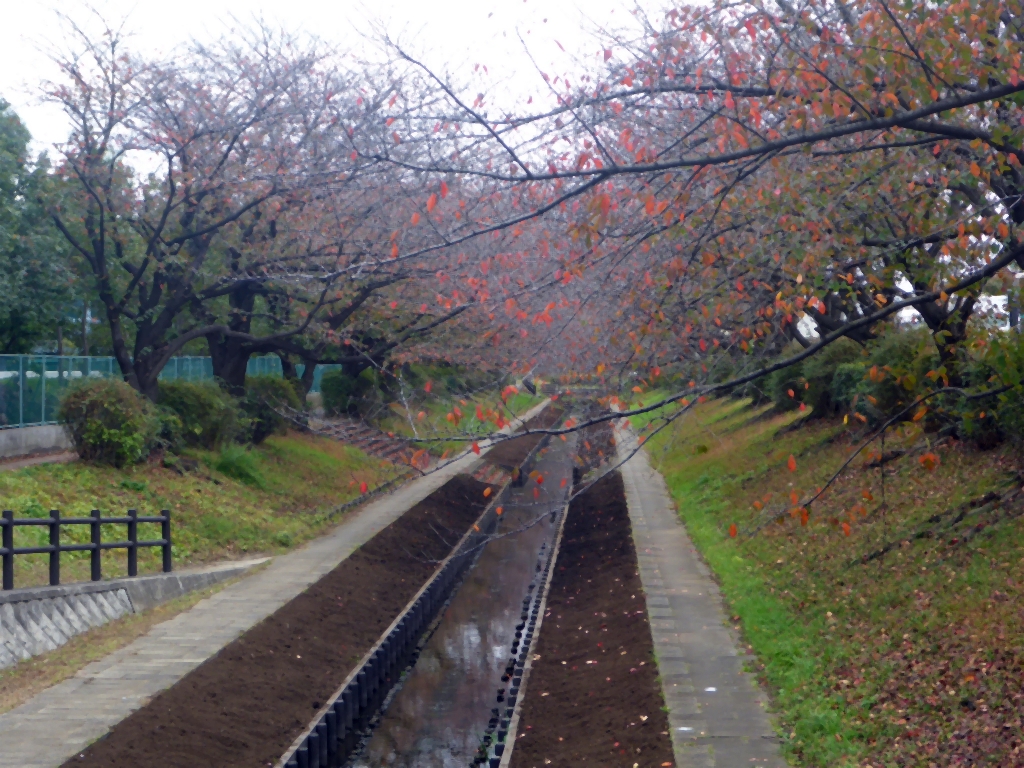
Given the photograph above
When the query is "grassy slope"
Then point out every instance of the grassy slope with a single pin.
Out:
(213, 515)
(912, 659)
(435, 425)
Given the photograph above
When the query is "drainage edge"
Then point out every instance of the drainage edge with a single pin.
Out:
(502, 758)
(306, 750)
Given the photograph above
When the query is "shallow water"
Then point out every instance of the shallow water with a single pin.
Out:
(440, 714)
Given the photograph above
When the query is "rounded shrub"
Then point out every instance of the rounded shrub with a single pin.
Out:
(338, 391)
(209, 416)
(820, 370)
(266, 397)
(109, 422)
(785, 387)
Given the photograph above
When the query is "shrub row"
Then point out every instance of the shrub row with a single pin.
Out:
(877, 381)
(111, 423)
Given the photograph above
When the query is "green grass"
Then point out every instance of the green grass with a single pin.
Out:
(866, 663)
(235, 503)
(436, 427)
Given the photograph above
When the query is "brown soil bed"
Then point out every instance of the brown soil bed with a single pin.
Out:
(596, 445)
(593, 696)
(246, 705)
(512, 453)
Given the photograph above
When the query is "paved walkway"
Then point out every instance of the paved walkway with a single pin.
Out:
(62, 720)
(716, 710)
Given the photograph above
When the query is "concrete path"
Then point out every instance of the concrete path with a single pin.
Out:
(64, 457)
(716, 710)
(62, 720)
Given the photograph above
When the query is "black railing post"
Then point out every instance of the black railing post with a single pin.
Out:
(8, 544)
(55, 544)
(97, 566)
(165, 534)
(133, 543)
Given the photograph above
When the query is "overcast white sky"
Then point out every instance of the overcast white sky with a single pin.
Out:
(449, 33)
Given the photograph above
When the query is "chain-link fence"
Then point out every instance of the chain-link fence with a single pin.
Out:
(31, 386)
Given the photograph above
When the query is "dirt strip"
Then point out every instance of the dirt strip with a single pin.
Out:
(244, 706)
(593, 695)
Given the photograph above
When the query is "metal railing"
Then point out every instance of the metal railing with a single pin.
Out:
(31, 386)
(95, 546)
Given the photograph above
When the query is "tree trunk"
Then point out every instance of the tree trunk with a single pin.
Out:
(230, 358)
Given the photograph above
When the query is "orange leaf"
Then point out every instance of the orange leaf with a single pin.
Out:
(733, 530)
(428, 386)
(431, 203)
(920, 414)
(421, 416)
(846, 528)
(499, 510)
(791, 463)
(444, 189)
(487, 492)
(476, 448)
(415, 218)
(867, 495)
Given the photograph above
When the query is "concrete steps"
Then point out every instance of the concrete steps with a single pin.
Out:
(367, 439)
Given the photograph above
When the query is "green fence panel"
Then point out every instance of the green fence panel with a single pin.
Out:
(31, 386)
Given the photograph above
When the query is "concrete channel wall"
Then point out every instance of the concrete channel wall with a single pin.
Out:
(35, 620)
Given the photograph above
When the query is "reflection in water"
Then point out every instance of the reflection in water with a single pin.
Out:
(441, 712)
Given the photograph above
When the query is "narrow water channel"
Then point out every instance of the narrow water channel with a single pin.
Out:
(441, 712)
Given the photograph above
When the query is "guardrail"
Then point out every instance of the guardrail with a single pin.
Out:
(95, 546)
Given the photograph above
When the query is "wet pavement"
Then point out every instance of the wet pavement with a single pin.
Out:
(441, 712)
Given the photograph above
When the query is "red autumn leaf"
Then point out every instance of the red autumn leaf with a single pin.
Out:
(431, 203)
(428, 386)
(846, 529)
(444, 189)
(476, 448)
(733, 530)
(540, 479)
(791, 463)
(363, 487)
